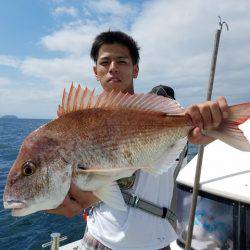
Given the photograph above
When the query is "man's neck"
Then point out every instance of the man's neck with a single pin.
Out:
(129, 90)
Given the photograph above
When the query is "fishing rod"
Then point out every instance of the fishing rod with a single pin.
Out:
(201, 147)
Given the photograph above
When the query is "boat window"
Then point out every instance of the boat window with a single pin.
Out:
(213, 225)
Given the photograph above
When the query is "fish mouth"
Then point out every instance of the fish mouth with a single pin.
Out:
(18, 212)
(18, 207)
(14, 204)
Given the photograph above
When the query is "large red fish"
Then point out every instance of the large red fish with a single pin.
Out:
(97, 140)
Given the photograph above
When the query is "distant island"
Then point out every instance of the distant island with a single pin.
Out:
(9, 117)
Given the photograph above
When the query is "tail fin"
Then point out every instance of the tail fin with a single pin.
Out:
(235, 130)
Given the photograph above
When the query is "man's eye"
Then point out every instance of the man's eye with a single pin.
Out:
(122, 61)
(104, 63)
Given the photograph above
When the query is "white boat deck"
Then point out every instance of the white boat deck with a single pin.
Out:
(225, 172)
(76, 245)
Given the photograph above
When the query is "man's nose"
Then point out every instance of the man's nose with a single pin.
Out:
(113, 67)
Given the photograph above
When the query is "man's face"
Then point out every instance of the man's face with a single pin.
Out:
(114, 68)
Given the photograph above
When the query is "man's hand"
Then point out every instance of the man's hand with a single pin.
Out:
(75, 201)
(207, 115)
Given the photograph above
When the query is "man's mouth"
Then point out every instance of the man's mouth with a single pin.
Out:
(114, 80)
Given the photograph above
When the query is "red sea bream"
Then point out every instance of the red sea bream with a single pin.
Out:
(97, 140)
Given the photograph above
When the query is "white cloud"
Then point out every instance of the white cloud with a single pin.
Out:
(73, 40)
(112, 7)
(97, 16)
(4, 81)
(11, 61)
(29, 103)
(55, 69)
(61, 71)
(62, 10)
(177, 39)
(111, 14)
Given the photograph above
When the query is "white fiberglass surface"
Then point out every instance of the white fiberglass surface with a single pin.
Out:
(225, 172)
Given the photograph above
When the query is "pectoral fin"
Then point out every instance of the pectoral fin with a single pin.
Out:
(108, 171)
(112, 196)
(167, 159)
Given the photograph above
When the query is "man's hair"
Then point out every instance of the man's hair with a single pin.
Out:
(111, 37)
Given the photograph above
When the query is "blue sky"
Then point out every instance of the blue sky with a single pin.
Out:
(45, 45)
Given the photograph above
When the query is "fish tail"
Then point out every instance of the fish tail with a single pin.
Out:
(235, 130)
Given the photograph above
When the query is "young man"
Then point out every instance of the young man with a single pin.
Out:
(116, 57)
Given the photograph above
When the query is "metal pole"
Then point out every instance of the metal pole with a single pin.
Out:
(55, 241)
(201, 147)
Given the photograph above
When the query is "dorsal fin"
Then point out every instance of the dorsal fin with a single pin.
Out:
(79, 99)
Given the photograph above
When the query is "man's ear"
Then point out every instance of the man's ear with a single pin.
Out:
(95, 72)
(135, 70)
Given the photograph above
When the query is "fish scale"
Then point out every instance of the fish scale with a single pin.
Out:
(141, 135)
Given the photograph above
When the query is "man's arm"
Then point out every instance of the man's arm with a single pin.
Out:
(207, 115)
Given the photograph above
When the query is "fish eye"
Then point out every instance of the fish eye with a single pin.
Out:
(28, 168)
